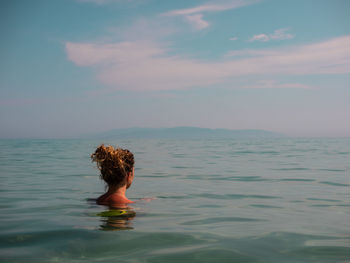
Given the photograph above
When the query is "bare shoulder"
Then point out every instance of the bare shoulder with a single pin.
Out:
(101, 200)
(119, 200)
(112, 200)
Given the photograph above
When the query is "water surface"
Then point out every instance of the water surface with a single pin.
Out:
(217, 200)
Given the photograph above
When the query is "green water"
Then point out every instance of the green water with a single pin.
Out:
(256, 200)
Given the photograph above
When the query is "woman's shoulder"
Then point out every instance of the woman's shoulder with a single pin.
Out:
(112, 200)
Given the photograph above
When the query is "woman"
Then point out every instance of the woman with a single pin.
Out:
(117, 170)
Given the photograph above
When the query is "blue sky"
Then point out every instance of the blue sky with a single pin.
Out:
(70, 67)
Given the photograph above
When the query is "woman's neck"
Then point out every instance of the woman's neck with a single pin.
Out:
(115, 196)
(117, 190)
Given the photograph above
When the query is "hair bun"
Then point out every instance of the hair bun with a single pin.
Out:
(114, 163)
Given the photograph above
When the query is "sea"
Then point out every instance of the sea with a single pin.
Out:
(196, 200)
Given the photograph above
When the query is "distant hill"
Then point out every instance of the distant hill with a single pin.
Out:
(182, 133)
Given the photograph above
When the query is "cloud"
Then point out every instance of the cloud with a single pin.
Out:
(209, 8)
(250, 52)
(233, 38)
(197, 21)
(141, 66)
(272, 84)
(279, 34)
(147, 65)
(194, 15)
(261, 37)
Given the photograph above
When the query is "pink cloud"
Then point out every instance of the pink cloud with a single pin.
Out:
(261, 37)
(272, 84)
(279, 34)
(197, 21)
(86, 54)
(194, 15)
(147, 66)
(210, 8)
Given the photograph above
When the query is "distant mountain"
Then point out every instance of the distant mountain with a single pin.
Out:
(182, 133)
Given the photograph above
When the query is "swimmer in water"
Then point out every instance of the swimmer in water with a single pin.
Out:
(117, 170)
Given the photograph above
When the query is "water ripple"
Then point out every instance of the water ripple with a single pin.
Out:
(215, 220)
(333, 183)
(236, 196)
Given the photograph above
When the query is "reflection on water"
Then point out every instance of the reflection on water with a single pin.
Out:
(114, 217)
(117, 219)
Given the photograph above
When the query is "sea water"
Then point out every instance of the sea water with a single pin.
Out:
(215, 200)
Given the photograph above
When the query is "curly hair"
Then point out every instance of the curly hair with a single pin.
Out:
(114, 164)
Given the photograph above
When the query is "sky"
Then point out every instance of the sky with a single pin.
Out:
(72, 67)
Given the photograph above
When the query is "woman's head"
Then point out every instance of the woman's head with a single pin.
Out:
(115, 164)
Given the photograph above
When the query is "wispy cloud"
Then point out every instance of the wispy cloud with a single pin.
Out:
(147, 66)
(260, 37)
(209, 8)
(141, 66)
(279, 34)
(272, 84)
(233, 38)
(197, 21)
(194, 15)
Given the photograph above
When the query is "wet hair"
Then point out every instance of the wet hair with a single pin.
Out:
(114, 164)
